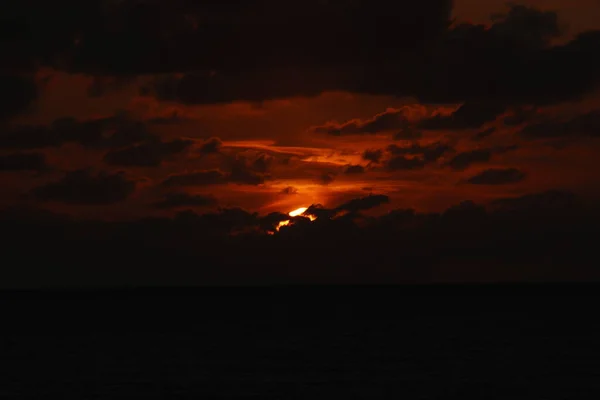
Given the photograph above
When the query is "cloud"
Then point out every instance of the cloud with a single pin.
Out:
(262, 164)
(111, 132)
(464, 160)
(289, 190)
(325, 179)
(484, 133)
(198, 178)
(240, 172)
(81, 187)
(428, 153)
(469, 115)
(497, 176)
(147, 154)
(373, 155)
(585, 125)
(211, 146)
(364, 203)
(408, 134)
(177, 200)
(23, 162)
(389, 120)
(402, 163)
(355, 169)
(250, 174)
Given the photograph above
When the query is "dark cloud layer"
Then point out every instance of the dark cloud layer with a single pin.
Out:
(505, 242)
(510, 63)
(402, 49)
(83, 187)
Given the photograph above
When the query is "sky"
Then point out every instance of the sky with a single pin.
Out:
(227, 117)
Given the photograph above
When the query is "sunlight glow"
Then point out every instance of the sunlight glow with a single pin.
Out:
(298, 212)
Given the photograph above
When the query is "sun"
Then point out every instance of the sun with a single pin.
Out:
(297, 212)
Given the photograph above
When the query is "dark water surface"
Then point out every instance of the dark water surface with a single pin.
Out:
(485, 342)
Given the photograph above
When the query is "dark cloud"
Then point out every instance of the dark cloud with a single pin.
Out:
(263, 163)
(402, 163)
(23, 162)
(147, 154)
(211, 146)
(199, 178)
(173, 119)
(364, 203)
(408, 134)
(497, 176)
(355, 169)
(504, 149)
(389, 120)
(240, 172)
(469, 115)
(519, 116)
(320, 212)
(428, 153)
(373, 155)
(82, 187)
(17, 93)
(289, 190)
(111, 132)
(325, 179)
(585, 125)
(270, 222)
(464, 160)
(177, 200)
(484, 133)
(248, 173)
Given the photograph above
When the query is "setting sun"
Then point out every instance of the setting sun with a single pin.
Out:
(297, 212)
